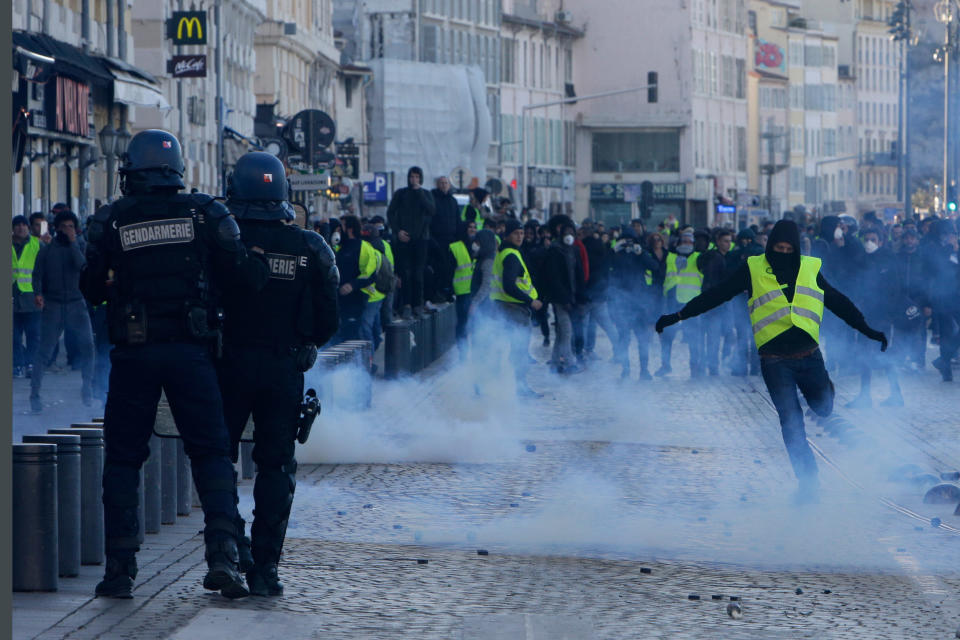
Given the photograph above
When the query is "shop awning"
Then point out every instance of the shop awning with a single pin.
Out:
(130, 89)
(69, 60)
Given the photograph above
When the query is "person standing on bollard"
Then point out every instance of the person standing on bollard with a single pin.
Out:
(159, 259)
(786, 298)
(270, 340)
(514, 296)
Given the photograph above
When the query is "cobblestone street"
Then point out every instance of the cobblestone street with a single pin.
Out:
(606, 509)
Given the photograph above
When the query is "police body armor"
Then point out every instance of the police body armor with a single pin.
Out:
(162, 289)
(281, 314)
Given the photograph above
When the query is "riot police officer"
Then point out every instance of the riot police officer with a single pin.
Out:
(159, 258)
(270, 339)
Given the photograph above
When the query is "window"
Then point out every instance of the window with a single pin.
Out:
(568, 65)
(714, 83)
(812, 55)
(741, 71)
(741, 148)
(796, 54)
(637, 152)
(829, 57)
(796, 96)
(429, 44)
(508, 60)
(796, 179)
(728, 70)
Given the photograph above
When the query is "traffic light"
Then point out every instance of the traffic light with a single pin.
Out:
(952, 197)
(646, 199)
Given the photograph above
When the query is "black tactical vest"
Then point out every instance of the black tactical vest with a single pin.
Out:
(280, 315)
(162, 273)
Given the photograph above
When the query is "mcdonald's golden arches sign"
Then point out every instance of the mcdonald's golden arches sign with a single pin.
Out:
(188, 27)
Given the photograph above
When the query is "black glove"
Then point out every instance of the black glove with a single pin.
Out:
(879, 336)
(665, 321)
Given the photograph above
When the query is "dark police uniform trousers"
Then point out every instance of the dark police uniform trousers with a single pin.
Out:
(185, 372)
(265, 382)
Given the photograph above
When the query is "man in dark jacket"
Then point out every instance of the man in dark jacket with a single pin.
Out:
(911, 322)
(944, 292)
(720, 326)
(632, 296)
(744, 352)
(787, 295)
(600, 256)
(409, 216)
(56, 288)
(559, 285)
(443, 232)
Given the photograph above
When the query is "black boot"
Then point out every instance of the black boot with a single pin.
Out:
(245, 556)
(118, 577)
(263, 580)
(223, 573)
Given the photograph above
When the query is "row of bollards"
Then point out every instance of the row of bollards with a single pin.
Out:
(413, 345)
(58, 506)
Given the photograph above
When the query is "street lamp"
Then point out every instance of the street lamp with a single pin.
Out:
(123, 139)
(108, 140)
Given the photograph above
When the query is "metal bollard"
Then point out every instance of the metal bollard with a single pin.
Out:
(68, 499)
(397, 348)
(246, 460)
(168, 480)
(151, 488)
(184, 481)
(91, 492)
(34, 520)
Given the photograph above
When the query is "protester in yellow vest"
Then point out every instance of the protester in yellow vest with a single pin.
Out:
(786, 298)
(26, 316)
(514, 296)
(463, 253)
(683, 279)
(473, 212)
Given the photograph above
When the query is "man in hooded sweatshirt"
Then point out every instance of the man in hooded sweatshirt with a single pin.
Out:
(787, 295)
(409, 214)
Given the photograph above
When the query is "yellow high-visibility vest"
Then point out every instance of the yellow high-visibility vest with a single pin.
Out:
(687, 281)
(23, 266)
(771, 314)
(524, 283)
(370, 260)
(478, 219)
(463, 275)
(389, 251)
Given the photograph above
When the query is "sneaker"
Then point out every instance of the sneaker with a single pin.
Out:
(546, 342)
(946, 372)
(663, 371)
(18, 372)
(644, 375)
(574, 368)
(862, 401)
(262, 580)
(117, 578)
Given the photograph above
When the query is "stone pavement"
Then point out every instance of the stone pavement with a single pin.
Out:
(573, 497)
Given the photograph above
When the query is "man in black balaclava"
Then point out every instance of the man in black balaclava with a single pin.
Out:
(786, 298)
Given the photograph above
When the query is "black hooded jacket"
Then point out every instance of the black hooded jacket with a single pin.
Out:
(785, 268)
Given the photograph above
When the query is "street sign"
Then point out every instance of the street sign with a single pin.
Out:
(460, 178)
(375, 190)
(307, 182)
(188, 27)
(187, 66)
(494, 186)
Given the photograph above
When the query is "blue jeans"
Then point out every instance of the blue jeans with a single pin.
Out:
(72, 319)
(26, 325)
(370, 323)
(463, 310)
(783, 376)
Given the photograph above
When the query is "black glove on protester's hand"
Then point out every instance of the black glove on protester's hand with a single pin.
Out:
(665, 321)
(879, 336)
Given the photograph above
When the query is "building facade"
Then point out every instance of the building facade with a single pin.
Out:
(76, 87)
(689, 137)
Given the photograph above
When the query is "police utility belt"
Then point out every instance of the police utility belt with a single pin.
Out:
(137, 326)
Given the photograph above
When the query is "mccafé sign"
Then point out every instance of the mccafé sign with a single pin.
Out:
(187, 27)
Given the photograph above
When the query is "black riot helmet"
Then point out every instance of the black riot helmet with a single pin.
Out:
(152, 159)
(257, 189)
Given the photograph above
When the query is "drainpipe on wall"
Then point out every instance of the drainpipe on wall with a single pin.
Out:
(122, 29)
(85, 24)
(111, 34)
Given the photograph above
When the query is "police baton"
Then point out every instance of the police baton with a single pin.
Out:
(309, 411)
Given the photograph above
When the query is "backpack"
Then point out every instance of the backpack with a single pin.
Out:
(384, 279)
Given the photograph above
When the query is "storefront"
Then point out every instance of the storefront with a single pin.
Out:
(617, 203)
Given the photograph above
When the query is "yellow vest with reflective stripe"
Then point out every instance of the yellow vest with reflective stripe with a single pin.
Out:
(463, 275)
(370, 260)
(389, 251)
(524, 283)
(478, 219)
(23, 266)
(648, 276)
(771, 314)
(688, 281)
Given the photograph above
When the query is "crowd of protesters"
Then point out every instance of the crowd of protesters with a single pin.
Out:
(589, 277)
(584, 277)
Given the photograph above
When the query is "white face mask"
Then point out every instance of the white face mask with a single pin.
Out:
(335, 238)
(568, 240)
(837, 233)
(637, 249)
(684, 249)
(870, 246)
(475, 247)
(616, 234)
